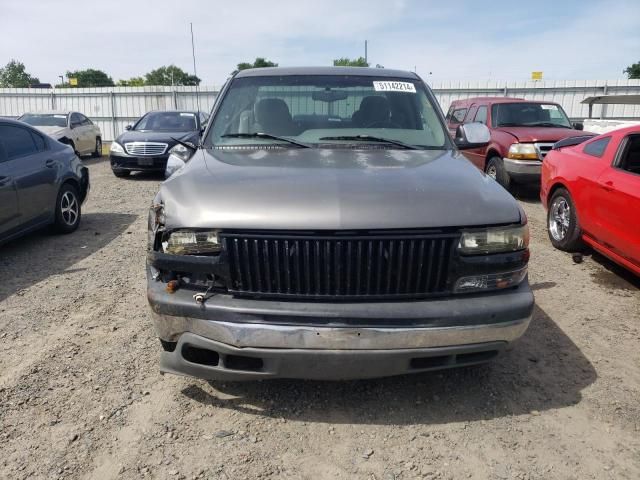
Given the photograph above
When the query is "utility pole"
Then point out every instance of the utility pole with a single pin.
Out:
(193, 52)
(366, 57)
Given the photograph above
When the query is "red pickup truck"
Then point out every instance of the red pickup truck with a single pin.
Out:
(522, 132)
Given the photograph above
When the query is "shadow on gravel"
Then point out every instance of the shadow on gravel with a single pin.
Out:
(35, 257)
(141, 176)
(545, 370)
(527, 193)
(613, 276)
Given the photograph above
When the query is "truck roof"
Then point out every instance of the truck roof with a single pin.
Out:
(357, 71)
(485, 100)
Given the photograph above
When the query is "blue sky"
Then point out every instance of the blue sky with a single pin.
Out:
(461, 40)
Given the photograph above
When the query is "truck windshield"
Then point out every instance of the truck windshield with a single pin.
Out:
(327, 110)
(529, 115)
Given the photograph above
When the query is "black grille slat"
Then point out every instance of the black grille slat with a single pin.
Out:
(339, 266)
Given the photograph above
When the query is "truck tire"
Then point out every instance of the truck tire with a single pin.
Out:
(495, 169)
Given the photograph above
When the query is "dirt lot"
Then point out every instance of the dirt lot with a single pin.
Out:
(81, 396)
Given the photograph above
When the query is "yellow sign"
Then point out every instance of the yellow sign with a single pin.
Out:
(73, 82)
(536, 75)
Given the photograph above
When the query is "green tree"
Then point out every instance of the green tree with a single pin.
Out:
(132, 82)
(91, 78)
(14, 75)
(259, 62)
(633, 71)
(349, 62)
(170, 75)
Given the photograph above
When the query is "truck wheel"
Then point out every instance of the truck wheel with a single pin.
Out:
(563, 226)
(495, 169)
(121, 173)
(68, 211)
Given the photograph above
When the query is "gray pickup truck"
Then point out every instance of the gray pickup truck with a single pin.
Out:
(328, 227)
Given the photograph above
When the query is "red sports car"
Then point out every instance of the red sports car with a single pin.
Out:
(591, 190)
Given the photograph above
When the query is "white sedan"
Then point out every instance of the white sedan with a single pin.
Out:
(72, 128)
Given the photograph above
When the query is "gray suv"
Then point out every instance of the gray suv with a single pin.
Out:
(328, 227)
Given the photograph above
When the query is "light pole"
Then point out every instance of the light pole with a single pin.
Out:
(61, 77)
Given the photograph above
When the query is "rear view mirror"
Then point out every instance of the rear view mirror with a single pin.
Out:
(578, 125)
(329, 95)
(128, 127)
(472, 135)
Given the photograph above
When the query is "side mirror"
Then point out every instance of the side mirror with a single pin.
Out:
(128, 127)
(174, 163)
(472, 135)
(578, 125)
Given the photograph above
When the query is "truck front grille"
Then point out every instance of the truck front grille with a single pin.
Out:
(145, 148)
(339, 267)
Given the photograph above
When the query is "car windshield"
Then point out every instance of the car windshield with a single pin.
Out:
(328, 110)
(167, 122)
(529, 115)
(45, 119)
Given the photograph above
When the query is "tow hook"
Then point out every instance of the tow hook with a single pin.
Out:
(199, 298)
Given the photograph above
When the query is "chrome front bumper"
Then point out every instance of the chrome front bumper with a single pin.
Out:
(253, 339)
(523, 170)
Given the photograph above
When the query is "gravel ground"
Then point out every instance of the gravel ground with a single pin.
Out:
(81, 396)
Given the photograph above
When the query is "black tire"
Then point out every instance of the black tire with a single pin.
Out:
(121, 173)
(563, 226)
(68, 209)
(97, 153)
(495, 169)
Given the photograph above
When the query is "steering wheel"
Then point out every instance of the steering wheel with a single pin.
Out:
(383, 123)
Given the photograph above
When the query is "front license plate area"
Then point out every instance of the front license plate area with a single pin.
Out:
(146, 162)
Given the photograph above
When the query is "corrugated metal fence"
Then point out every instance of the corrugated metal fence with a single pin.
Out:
(114, 107)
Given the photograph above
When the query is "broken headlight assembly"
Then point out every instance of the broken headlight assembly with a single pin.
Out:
(494, 240)
(191, 242)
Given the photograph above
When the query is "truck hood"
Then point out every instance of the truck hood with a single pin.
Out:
(333, 189)
(540, 134)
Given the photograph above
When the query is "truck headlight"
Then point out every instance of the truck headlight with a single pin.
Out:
(523, 151)
(490, 281)
(494, 240)
(116, 148)
(190, 242)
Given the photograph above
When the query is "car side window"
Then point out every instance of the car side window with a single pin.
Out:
(18, 142)
(457, 116)
(471, 114)
(481, 115)
(76, 121)
(597, 148)
(41, 145)
(630, 158)
(85, 120)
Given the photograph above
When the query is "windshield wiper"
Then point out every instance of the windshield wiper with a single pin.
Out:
(372, 138)
(267, 136)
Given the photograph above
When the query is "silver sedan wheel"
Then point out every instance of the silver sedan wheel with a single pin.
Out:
(69, 207)
(98, 147)
(559, 218)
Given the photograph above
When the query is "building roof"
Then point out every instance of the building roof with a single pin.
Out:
(613, 100)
